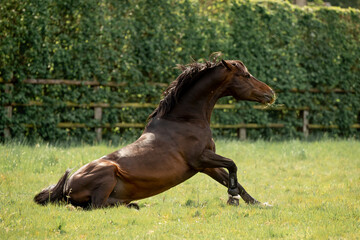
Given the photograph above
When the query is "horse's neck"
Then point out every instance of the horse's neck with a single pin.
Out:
(199, 101)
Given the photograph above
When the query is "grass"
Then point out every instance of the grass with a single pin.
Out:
(314, 187)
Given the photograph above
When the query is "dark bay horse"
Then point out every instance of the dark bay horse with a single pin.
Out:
(175, 145)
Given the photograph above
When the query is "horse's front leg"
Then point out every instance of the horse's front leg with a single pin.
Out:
(221, 176)
(209, 159)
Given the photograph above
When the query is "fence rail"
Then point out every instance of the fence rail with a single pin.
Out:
(82, 83)
(241, 127)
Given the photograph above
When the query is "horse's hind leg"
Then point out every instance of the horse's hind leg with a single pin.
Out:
(103, 181)
(100, 195)
(221, 176)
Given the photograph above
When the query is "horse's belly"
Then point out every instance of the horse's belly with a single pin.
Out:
(129, 189)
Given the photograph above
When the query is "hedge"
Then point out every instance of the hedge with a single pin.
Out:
(138, 43)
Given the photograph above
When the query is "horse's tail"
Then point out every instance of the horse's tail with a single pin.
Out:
(53, 193)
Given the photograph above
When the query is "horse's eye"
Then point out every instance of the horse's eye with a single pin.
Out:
(247, 75)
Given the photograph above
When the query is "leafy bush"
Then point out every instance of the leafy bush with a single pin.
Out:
(140, 42)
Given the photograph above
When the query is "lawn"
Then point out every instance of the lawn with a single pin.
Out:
(314, 188)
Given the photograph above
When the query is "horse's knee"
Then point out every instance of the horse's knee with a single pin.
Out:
(232, 167)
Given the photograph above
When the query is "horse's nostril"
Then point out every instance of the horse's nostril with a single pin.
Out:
(268, 96)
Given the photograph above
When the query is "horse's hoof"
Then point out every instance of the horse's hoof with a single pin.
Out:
(233, 200)
(133, 205)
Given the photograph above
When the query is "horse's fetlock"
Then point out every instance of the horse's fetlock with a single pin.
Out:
(233, 191)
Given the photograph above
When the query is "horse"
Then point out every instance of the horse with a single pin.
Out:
(175, 145)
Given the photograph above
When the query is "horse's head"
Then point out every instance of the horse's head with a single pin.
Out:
(243, 86)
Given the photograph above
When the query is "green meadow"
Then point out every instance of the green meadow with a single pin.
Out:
(314, 188)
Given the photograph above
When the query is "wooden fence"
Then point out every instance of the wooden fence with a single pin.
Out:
(98, 109)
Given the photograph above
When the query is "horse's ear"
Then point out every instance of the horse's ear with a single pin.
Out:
(227, 65)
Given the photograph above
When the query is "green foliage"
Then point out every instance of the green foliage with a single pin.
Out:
(140, 42)
(345, 3)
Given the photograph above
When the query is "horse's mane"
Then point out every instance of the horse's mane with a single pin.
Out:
(190, 74)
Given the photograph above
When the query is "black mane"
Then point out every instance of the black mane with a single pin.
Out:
(191, 73)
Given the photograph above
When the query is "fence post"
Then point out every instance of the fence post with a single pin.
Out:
(8, 111)
(300, 3)
(305, 123)
(242, 134)
(98, 116)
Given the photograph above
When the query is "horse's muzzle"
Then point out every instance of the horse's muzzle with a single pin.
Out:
(270, 97)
